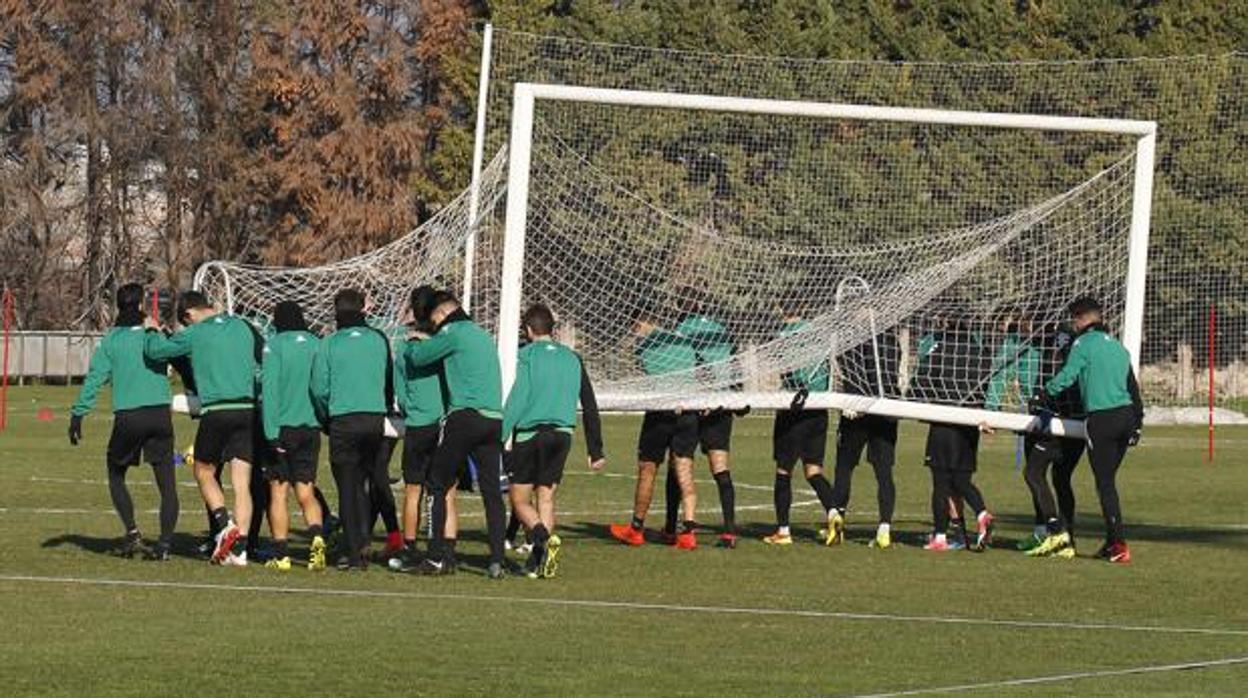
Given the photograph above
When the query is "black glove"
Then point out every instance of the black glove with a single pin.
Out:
(1040, 402)
(741, 412)
(75, 429)
(799, 399)
(1134, 440)
(1044, 421)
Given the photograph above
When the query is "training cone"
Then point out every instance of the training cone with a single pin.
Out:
(44, 415)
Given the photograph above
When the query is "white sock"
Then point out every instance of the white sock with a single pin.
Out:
(940, 538)
(783, 530)
(883, 529)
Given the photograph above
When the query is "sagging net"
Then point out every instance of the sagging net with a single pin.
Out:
(432, 253)
(803, 279)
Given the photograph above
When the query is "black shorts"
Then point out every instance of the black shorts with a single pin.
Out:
(667, 431)
(799, 435)
(355, 440)
(141, 433)
(225, 435)
(715, 430)
(419, 444)
(301, 448)
(540, 459)
(952, 447)
(871, 431)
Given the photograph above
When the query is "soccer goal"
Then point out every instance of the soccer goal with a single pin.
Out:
(699, 251)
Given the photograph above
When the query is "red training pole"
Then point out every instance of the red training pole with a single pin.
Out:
(7, 311)
(155, 304)
(1213, 322)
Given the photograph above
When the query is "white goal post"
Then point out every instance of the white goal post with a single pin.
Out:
(526, 96)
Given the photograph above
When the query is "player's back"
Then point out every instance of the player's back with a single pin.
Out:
(472, 372)
(224, 356)
(355, 365)
(554, 372)
(660, 352)
(137, 380)
(287, 375)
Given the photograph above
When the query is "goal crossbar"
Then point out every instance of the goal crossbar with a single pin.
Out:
(519, 165)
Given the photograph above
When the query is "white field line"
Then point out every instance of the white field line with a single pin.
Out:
(626, 605)
(1056, 678)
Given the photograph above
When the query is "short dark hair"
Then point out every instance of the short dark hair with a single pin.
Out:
(539, 320)
(130, 297)
(440, 297)
(288, 316)
(191, 300)
(420, 300)
(1084, 304)
(349, 300)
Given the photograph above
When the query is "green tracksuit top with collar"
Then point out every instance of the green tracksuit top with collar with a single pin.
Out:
(814, 378)
(1101, 367)
(137, 380)
(286, 375)
(469, 362)
(550, 380)
(225, 356)
(352, 373)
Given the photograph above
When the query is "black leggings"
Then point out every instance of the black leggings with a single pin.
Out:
(380, 496)
(467, 433)
(166, 483)
(886, 490)
(1063, 455)
(949, 483)
(1109, 433)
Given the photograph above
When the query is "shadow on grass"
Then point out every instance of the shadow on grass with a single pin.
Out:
(184, 544)
(1090, 528)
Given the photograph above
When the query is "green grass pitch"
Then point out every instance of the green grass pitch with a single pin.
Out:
(806, 620)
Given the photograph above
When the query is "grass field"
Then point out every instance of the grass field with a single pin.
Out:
(806, 620)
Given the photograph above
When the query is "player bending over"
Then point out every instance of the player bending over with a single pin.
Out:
(352, 388)
(1043, 449)
(225, 354)
(875, 433)
(800, 434)
(292, 432)
(539, 418)
(466, 357)
(142, 425)
(1101, 368)
(660, 352)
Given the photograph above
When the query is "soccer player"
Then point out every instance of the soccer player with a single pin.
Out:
(1101, 368)
(951, 370)
(142, 425)
(663, 432)
(800, 434)
(225, 354)
(714, 347)
(352, 389)
(292, 432)
(875, 433)
(466, 356)
(1043, 449)
(539, 418)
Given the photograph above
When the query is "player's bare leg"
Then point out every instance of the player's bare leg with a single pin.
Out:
(632, 533)
(413, 497)
(305, 493)
(685, 539)
(522, 505)
(240, 479)
(279, 525)
(227, 530)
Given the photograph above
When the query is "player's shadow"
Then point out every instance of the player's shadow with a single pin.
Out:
(1090, 530)
(183, 545)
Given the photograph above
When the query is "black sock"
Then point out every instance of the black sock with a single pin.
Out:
(314, 530)
(540, 535)
(240, 545)
(639, 523)
(409, 543)
(513, 526)
(727, 498)
(672, 490)
(783, 498)
(220, 518)
(688, 526)
(1053, 526)
(279, 548)
(823, 490)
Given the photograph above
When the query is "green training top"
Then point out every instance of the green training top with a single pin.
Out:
(225, 356)
(661, 352)
(550, 380)
(352, 374)
(1018, 361)
(137, 380)
(419, 391)
(469, 365)
(286, 372)
(1102, 368)
(814, 378)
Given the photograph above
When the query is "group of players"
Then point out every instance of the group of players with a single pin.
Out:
(266, 401)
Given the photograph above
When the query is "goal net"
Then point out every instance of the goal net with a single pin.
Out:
(704, 252)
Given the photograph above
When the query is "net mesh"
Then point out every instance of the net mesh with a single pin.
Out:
(731, 308)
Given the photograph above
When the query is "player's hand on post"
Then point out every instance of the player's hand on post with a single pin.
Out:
(1039, 402)
(75, 429)
(850, 414)
(986, 428)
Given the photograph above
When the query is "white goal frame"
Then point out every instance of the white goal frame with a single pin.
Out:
(520, 152)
